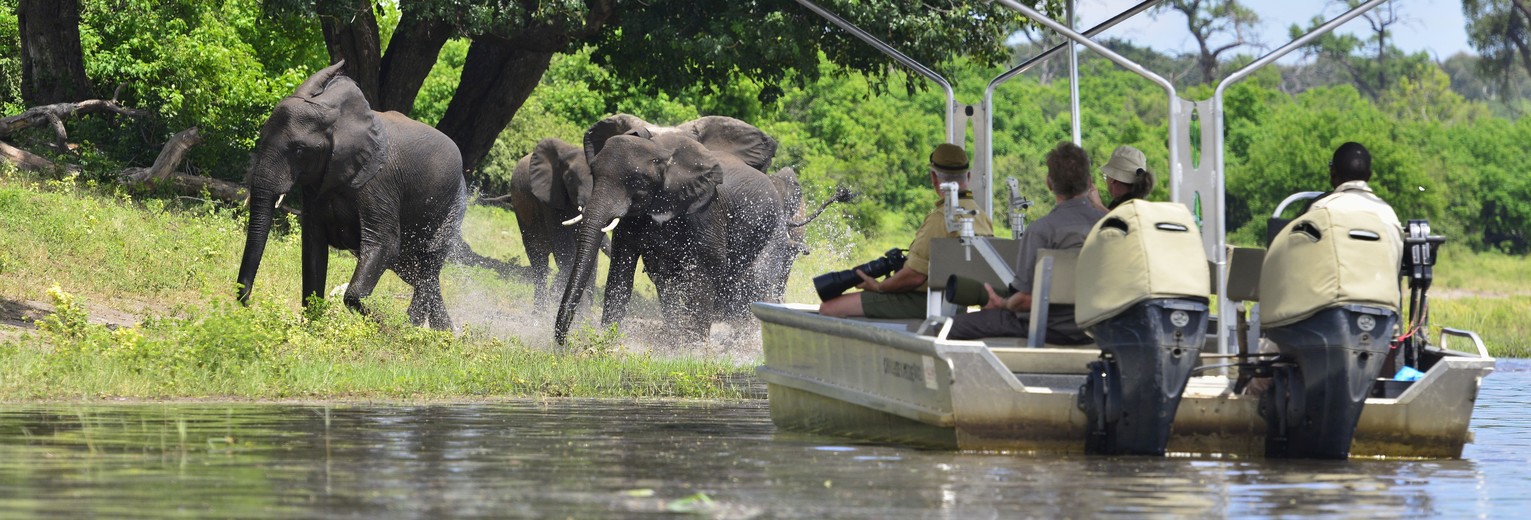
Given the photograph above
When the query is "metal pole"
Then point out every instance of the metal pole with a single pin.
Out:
(1174, 109)
(1073, 79)
(1219, 159)
(954, 133)
(985, 150)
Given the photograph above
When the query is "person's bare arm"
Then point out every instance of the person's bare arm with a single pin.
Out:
(904, 280)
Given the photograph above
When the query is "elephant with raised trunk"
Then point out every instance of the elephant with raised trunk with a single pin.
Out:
(548, 189)
(692, 202)
(383, 186)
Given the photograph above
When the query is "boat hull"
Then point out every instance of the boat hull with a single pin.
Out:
(879, 382)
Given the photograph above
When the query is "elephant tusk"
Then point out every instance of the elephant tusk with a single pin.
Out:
(611, 226)
(279, 200)
(574, 220)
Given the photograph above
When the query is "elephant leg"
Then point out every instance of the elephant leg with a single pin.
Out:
(619, 278)
(427, 305)
(371, 261)
(537, 252)
(316, 250)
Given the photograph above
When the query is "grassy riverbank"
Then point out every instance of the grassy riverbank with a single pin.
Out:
(134, 297)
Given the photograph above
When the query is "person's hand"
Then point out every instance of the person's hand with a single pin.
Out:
(1093, 195)
(995, 301)
(868, 283)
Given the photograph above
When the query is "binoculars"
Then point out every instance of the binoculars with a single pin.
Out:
(968, 292)
(830, 285)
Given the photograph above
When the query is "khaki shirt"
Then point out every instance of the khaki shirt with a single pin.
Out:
(935, 227)
(1357, 196)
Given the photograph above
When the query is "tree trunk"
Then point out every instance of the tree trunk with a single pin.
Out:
(497, 78)
(350, 33)
(52, 64)
(412, 51)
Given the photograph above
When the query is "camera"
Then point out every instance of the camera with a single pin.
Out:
(830, 285)
(968, 292)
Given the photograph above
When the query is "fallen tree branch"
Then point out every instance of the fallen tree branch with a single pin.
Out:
(30, 161)
(169, 157)
(54, 115)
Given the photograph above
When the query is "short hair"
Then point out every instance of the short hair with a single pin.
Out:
(1068, 168)
(1351, 162)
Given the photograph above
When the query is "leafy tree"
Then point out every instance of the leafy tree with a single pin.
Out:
(216, 65)
(656, 46)
(1372, 64)
(10, 59)
(1218, 26)
(1501, 32)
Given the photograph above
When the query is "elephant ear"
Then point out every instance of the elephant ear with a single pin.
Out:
(788, 187)
(620, 124)
(691, 180)
(544, 167)
(575, 173)
(358, 139)
(732, 136)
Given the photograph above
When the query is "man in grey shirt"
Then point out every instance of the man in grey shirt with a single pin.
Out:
(1065, 227)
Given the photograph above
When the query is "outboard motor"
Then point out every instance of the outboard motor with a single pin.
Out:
(1145, 303)
(1329, 302)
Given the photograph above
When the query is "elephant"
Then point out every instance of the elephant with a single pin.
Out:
(548, 189)
(774, 264)
(692, 202)
(388, 188)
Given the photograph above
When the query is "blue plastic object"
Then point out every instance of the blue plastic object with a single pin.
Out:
(1408, 373)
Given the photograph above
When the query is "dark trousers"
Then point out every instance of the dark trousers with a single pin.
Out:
(1002, 323)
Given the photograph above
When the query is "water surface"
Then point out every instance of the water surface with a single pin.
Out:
(621, 459)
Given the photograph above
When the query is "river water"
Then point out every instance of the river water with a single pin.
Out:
(622, 459)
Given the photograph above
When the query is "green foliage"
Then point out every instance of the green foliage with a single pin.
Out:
(10, 59)
(219, 66)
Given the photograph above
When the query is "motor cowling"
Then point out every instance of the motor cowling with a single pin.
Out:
(1145, 303)
(1329, 304)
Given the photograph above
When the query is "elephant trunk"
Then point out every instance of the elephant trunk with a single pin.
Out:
(588, 244)
(261, 208)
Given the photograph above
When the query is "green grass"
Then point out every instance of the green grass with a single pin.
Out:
(171, 264)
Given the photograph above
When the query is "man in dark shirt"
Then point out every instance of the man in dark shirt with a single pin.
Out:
(1065, 227)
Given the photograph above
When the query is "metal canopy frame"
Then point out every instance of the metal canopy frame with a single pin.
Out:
(1197, 184)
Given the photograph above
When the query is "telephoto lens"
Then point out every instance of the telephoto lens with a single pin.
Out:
(968, 292)
(833, 284)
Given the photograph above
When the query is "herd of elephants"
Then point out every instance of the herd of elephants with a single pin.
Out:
(693, 201)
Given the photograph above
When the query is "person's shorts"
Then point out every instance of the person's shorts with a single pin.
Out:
(893, 306)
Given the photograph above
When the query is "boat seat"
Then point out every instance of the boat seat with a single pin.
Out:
(1051, 283)
(949, 257)
(1244, 286)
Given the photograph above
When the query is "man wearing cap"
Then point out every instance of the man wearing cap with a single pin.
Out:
(902, 296)
(1349, 170)
(1127, 176)
(1065, 227)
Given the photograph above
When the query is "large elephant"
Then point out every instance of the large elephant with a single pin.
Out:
(690, 201)
(549, 187)
(378, 184)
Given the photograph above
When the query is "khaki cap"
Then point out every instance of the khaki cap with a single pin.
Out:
(949, 159)
(1124, 164)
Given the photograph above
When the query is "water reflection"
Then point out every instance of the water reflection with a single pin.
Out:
(604, 458)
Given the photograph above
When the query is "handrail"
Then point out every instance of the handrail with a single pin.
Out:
(1448, 331)
(953, 135)
(1293, 198)
(1173, 114)
(988, 92)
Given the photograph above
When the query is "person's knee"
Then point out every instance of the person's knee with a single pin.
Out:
(842, 307)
